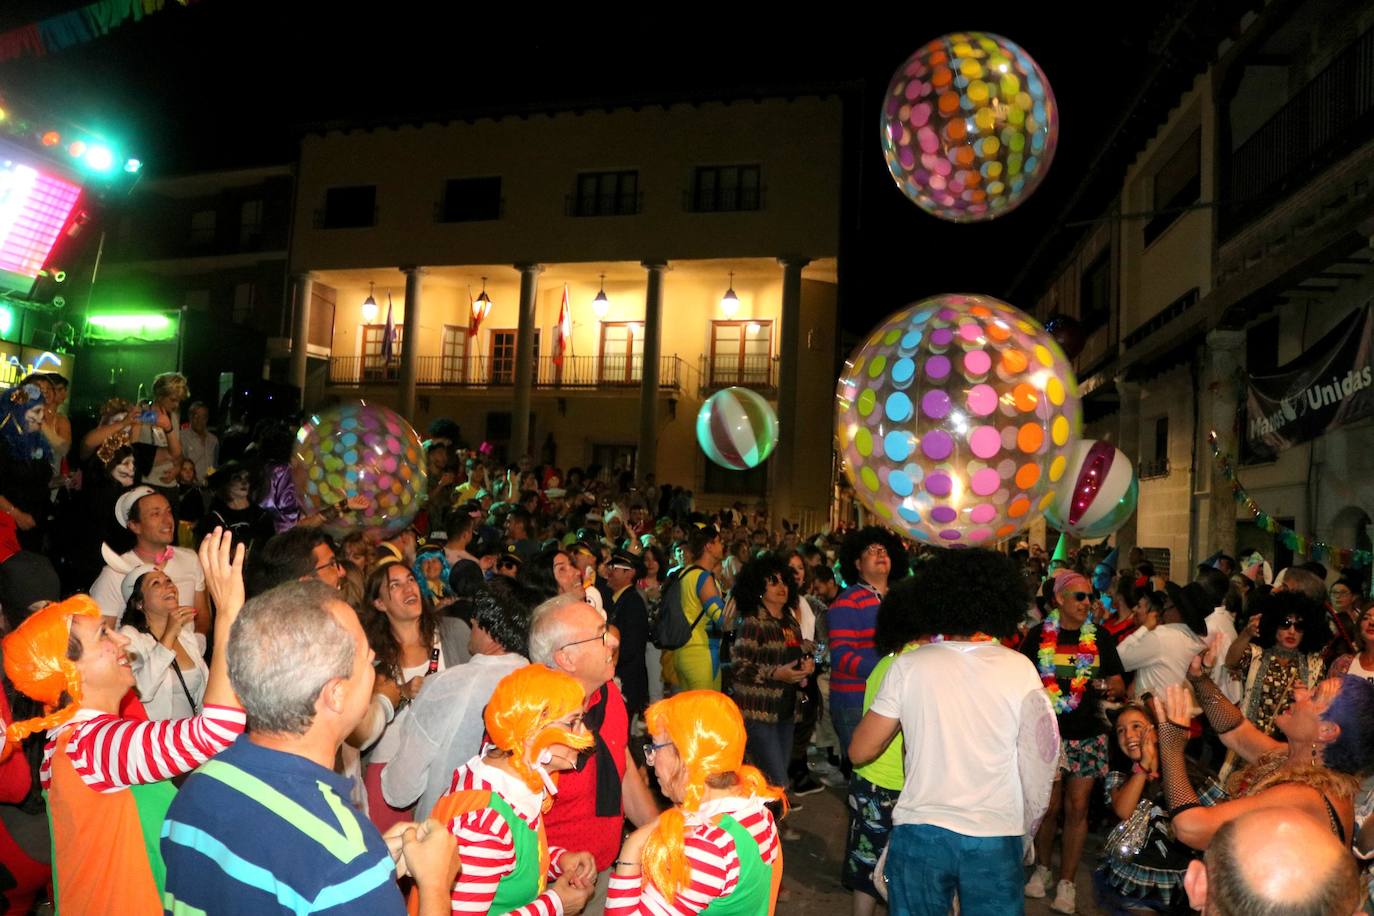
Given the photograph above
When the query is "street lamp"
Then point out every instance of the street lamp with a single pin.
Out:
(601, 305)
(729, 303)
(481, 306)
(369, 307)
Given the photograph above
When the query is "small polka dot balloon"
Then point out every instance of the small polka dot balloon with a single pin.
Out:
(360, 449)
(955, 418)
(969, 126)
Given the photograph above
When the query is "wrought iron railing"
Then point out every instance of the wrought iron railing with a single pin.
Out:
(621, 203)
(758, 372)
(1147, 469)
(570, 372)
(1325, 120)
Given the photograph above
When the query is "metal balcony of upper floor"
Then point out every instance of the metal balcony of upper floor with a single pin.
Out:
(570, 373)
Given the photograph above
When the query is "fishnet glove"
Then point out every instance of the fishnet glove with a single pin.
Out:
(1177, 789)
(1223, 715)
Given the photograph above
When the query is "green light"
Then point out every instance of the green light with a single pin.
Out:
(143, 325)
(6, 320)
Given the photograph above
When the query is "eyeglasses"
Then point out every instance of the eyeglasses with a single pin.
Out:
(600, 637)
(875, 550)
(1292, 623)
(651, 751)
(1080, 596)
(334, 562)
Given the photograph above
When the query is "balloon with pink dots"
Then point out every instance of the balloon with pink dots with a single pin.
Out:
(955, 419)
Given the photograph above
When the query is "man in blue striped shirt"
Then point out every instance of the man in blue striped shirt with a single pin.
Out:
(266, 827)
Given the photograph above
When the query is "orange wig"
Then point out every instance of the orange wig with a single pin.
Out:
(523, 706)
(707, 730)
(36, 662)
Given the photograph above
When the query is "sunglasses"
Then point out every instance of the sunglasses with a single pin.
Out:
(1080, 596)
(1292, 623)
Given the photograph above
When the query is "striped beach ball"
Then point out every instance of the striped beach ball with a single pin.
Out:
(737, 429)
(1102, 492)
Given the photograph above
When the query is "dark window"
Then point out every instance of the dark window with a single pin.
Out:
(503, 356)
(723, 188)
(250, 224)
(202, 227)
(468, 200)
(351, 207)
(606, 194)
(1177, 184)
(1162, 440)
(753, 482)
(1095, 299)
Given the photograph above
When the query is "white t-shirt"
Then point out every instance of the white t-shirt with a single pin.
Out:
(183, 569)
(1220, 621)
(963, 708)
(386, 746)
(1359, 670)
(1159, 657)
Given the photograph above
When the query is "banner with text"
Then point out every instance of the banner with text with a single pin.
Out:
(1329, 386)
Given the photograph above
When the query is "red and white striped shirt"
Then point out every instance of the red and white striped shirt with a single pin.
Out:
(712, 857)
(486, 846)
(111, 753)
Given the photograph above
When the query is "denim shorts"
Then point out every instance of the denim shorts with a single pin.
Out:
(927, 865)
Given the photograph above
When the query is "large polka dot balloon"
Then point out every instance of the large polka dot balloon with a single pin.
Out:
(737, 428)
(954, 420)
(1100, 493)
(360, 449)
(969, 126)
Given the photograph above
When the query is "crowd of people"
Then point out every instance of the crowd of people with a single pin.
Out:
(573, 690)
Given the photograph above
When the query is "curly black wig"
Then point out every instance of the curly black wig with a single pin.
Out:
(899, 617)
(1275, 606)
(856, 542)
(962, 592)
(752, 582)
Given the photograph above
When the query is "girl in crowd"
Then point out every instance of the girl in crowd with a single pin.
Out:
(411, 641)
(1361, 662)
(497, 801)
(1142, 871)
(170, 673)
(716, 850)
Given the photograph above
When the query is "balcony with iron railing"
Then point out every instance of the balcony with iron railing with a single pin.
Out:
(572, 373)
(1329, 118)
(757, 372)
(620, 203)
(1152, 468)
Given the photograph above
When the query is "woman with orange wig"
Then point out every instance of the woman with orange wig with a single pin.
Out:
(717, 849)
(107, 777)
(497, 801)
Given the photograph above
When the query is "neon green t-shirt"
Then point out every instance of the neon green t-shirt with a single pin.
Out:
(887, 769)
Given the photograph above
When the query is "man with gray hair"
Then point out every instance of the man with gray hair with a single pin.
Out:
(569, 635)
(265, 827)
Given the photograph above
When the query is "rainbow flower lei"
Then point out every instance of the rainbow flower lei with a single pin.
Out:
(1085, 659)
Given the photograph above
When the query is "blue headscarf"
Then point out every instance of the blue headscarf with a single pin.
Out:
(21, 444)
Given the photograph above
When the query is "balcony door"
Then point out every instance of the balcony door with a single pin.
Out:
(741, 353)
(503, 356)
(622, 353)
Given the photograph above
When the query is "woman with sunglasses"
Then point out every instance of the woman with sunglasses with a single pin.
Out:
(411, 641)
(1279, 648)
(770, 661)
(716, 850)
(1079, 667)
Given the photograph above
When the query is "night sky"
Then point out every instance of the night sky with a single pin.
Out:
(229, 84)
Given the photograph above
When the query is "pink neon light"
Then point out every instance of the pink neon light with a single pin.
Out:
(34, 211)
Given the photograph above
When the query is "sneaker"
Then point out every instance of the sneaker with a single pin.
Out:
(805, 786)
(1064, 897)
(790, 835)
(1035, 887)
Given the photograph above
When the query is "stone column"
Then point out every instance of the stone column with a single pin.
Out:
(1225, 356)
(410, 342)
(1128, 440)
(525, 368)
(646, 461)
(300, 331)
(789, 355)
